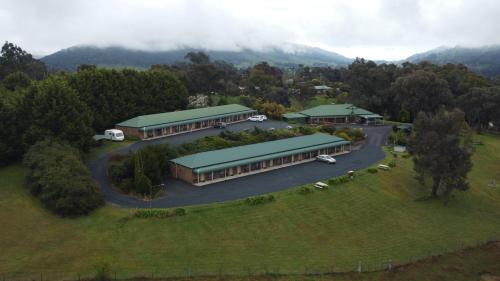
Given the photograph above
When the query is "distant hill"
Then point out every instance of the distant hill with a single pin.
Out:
(484, 60)
(119, 57)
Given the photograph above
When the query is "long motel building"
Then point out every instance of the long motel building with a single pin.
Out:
(160, 125)
(224, 164)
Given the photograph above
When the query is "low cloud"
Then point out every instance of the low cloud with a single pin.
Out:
(382, 29)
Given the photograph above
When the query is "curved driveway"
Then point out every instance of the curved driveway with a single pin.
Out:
(179, 193)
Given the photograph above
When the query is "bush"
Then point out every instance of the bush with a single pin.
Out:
(305, 190)
(329, 129)
(344, 136)
(60, 179)
(392, 164)
(338, 180)
(372, 170)
(158, 213)
(257, 200)
(406, 156)
(180, 212)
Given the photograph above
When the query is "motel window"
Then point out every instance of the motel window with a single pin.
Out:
(306, 155)
(255, 166)
(234, 171)
(219, 174)
(150, 134)
(314, 153)
(287, 159)
(331, 150)
(245, 169)
(277, 161)
(158, 132)
(296, 157)
(208, 176)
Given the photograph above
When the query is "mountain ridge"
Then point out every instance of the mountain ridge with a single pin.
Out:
(484, 60)
(117, 56)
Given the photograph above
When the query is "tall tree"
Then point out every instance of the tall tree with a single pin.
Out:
(422, 91)
(441, 145)
(54, 110)
(13, 59)
(481, 106)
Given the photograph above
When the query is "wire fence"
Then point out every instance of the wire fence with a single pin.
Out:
(31, 274)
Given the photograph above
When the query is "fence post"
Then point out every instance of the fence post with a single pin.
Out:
(359, 267)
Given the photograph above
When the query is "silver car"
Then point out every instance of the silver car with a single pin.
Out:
(326, 158)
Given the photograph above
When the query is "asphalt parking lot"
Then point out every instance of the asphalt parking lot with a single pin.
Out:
(179, 193)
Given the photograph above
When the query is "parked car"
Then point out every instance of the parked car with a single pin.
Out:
(220, 125)
(326, 158)
(289, 127)
(257, 118)
(114, 135)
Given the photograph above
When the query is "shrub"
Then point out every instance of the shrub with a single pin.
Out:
(406, 156)
(392, 164)
(329, 129)
(257, 200)
(159, 213)
(372, 170)
(117, 172)
(60, 179)
(344, 136)
(180, 212)
(305, 190)
(338, 180)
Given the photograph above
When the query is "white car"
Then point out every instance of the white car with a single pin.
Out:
(326, 158)
(256, 118)
(263, 117)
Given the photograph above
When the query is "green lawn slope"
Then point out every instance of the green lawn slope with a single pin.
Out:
(371, 221)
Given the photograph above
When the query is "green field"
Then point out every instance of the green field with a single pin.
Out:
(371, 220)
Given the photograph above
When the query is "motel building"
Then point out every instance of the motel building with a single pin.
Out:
(335, 114)
(224, 164)
(160, 125)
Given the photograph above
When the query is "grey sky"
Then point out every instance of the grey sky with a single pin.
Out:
(378, 29)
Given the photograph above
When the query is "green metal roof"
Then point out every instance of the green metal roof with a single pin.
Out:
(336, 110)
(293, 115)
(230, 157)
(185, 116)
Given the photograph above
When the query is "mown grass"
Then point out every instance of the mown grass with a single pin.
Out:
(371, 220)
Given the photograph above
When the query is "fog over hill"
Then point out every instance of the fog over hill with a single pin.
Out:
(483, 60)
(69, 59)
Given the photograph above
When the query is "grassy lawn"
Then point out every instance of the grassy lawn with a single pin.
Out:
(371, 220)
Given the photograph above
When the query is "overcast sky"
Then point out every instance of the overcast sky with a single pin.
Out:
(377, 29)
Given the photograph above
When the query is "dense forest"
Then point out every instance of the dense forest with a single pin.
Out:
(41, 112)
